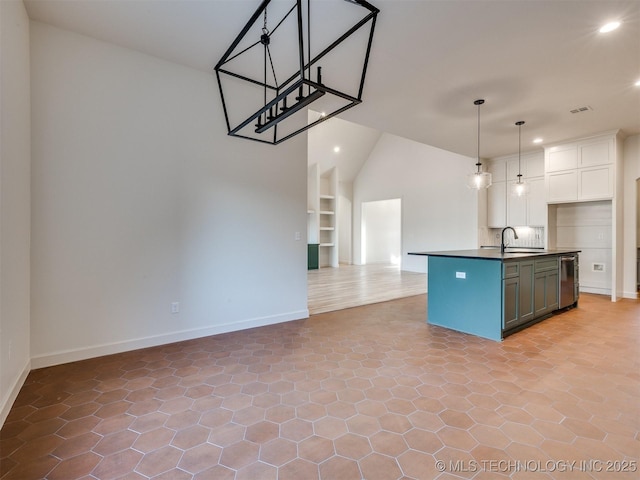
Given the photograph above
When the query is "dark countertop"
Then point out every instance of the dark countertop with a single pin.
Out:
(494, 253)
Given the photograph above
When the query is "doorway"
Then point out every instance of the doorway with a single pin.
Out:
(381, 239)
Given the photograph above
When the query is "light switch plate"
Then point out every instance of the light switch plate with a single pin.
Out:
(461, 274)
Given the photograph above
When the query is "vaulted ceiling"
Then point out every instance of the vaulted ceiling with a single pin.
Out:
(532, 60)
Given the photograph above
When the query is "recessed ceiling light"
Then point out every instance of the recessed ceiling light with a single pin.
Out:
(609, 27)
(336, 149)
(637, 84)
(537, 140)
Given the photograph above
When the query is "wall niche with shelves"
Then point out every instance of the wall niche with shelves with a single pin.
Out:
(322, 222)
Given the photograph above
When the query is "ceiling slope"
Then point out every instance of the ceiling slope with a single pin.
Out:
(531, 60)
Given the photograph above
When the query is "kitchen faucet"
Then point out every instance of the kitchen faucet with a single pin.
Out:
(515, 237)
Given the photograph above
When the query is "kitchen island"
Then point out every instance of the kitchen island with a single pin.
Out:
(493, 294)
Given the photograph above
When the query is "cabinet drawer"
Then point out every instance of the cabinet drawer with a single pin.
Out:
(510, 269)
(545, 264)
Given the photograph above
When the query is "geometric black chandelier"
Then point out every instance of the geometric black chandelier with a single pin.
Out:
(289, 55)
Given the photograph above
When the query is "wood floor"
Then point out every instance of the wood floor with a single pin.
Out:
(331, 289)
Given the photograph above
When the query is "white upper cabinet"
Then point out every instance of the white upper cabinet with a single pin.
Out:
(505, 209)
(581, 171)
(537, 205)
(562, 186)
(497, 205)
(497, 170)
(535, 164)
(516, 210)
(564, 157)
(596, 152)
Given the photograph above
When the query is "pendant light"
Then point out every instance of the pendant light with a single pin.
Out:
(519, 188)
(479, 179)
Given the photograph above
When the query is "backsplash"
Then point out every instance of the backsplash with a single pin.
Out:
(530, 237)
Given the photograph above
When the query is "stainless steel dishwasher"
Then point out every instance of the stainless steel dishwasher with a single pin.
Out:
(569, 281)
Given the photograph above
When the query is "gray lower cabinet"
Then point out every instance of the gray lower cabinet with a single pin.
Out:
(530, 290)
(546, 286)
(518, 292)
(511, 300)
(527, 311)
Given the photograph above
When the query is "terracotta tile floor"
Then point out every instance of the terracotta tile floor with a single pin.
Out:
(367, 393)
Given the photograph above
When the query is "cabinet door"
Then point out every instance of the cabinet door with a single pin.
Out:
(536, 204)
(540, 296)
(563, 157)
(545, 290)
(562, 186)
(497, 205)
(598, 152)
(551, 290)
(516, 210)
(525, 305)
(497, 169)
(534, 165)
(595, 183)
(510, 307)
(512, 169)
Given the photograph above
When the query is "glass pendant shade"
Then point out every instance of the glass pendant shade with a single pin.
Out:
(519, 188)
(479, 180)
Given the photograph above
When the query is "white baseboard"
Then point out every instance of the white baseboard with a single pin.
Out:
(73, 355)
(10, 397)
(633, 295)
(596, 290)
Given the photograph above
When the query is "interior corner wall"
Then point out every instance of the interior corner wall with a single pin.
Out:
(631, 156)
(140, 199)
(438, 211)
(15, 158)
(345, 224)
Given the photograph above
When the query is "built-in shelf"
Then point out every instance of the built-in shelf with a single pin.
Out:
(322, 206)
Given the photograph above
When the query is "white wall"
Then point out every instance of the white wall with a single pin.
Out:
(344, 219)
(631, 155)
(438, 211)
(381, 231)
(140, 199)
(14, 201)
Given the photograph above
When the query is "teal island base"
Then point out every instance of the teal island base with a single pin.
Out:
(493, 294)
(465, 294)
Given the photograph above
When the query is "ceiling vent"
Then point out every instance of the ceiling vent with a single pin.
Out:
(581, 109)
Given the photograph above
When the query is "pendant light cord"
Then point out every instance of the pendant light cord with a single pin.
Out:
(478, 157)
(519, 124)
(478, 103)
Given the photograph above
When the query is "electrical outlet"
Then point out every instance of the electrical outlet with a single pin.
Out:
(461, 274)
(175, 307)
(297, 236)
